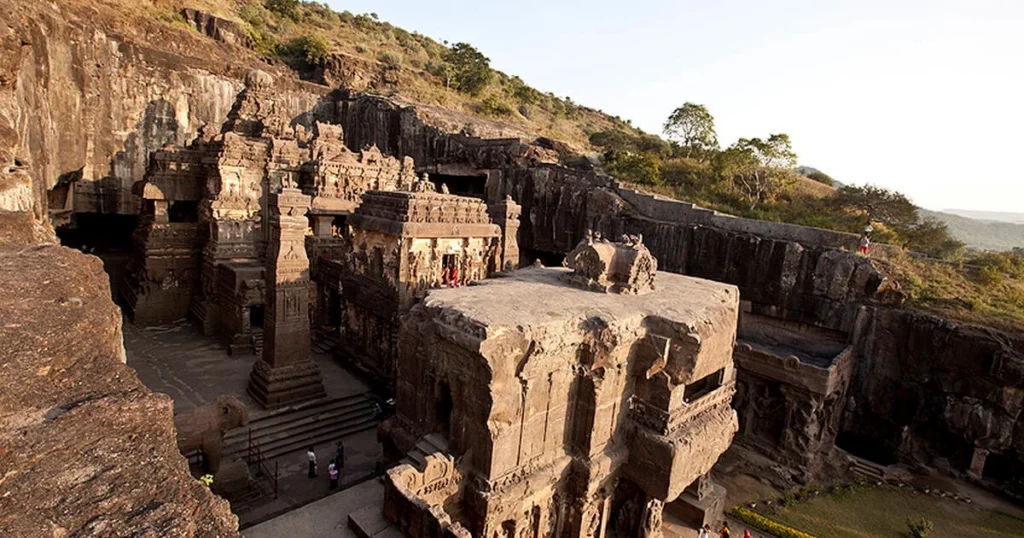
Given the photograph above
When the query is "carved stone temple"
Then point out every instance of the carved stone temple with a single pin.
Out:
(532, 405)
(404, 244)
(285, 374)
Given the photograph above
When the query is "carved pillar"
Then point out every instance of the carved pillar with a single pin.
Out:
(977, 468)
(651, 524)
(286, 374)
(506, 215)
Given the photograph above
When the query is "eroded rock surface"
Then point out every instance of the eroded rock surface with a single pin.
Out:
(85, 448)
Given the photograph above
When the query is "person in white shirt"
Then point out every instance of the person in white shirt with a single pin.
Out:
(311, 456)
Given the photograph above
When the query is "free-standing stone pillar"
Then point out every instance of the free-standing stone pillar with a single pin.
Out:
(285, 374)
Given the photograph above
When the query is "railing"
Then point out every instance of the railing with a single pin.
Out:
(259, 466)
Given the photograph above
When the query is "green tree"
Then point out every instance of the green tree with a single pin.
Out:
(284, 8)
(931, 236)
(880, 205)
(821, 177)
(467, 69)
(631, 166)
(694, 128)
(760, 169)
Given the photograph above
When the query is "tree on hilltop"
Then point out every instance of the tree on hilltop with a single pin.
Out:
(693, 127)
(759, 168)
(466, 69)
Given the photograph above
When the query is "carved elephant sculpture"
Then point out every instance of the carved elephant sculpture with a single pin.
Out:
(203, 428)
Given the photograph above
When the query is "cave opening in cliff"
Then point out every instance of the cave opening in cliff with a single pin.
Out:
(473, 186)
(870, 448)
(106, 235)
(549, 259)
(1000, 468)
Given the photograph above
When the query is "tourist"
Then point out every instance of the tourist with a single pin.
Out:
(311, 456)
(746, 533)
(339, 455)
(865, 243)
(705, 531)
(724, 532)
(332, 472)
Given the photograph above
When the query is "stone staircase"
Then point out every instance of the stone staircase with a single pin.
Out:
(428, 444)
(257, 342)
(292, 429)
(369, 521)
(869, 470)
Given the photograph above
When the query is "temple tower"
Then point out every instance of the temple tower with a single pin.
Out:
(285, 374)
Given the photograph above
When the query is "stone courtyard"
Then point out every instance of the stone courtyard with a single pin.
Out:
(194, 370)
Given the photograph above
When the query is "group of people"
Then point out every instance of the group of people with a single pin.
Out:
(333, 469)
(724, 532)
(450, 275)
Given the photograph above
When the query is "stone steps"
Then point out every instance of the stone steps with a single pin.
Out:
(257, 342)
(369, 522)
(292, 430)
(867, 468)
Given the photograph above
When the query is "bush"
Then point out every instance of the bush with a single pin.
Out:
(494, 106)
(642, 168)
(919, 528)
(758, 521)
(389, 59)
(309, 51)
(284, 8)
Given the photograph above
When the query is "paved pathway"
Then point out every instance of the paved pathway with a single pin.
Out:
(327, 517)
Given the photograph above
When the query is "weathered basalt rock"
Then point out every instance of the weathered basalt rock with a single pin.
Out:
(85, 448)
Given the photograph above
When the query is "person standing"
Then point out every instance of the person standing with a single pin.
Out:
(724, 532)
(311, 456)
(339, 455)
(332, 472)
(865, 244)
(704, 532)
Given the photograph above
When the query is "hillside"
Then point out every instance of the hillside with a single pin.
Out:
(988, 216)
(986, 235)
(360, 52)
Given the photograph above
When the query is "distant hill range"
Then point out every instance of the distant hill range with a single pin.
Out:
(982, 229)
(988, 216)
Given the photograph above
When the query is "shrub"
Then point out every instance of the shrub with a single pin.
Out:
(284, 8)
(389, 59)
(758, 521)
(919, 528)
(494, 106)
(309, 50)
(642, 168)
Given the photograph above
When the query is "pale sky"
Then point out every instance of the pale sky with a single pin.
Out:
(922, 96)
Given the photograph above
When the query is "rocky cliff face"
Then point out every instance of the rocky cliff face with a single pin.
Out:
(927, 388)
(80, 102)
(85, 448)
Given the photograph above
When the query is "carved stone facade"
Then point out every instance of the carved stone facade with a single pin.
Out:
(286, 375)
(402, 245)
(167, 247)
(791, 391)
(561, 412)
(213, 264)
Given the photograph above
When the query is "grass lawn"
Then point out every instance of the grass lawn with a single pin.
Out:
(883, 512)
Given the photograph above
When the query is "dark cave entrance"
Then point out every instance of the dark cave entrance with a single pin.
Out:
(549, 259)
(867, 447)
(334, 310)
(474, 186)
(105, 235)
(257, 313)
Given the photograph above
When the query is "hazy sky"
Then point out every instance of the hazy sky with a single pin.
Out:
(922, 96)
